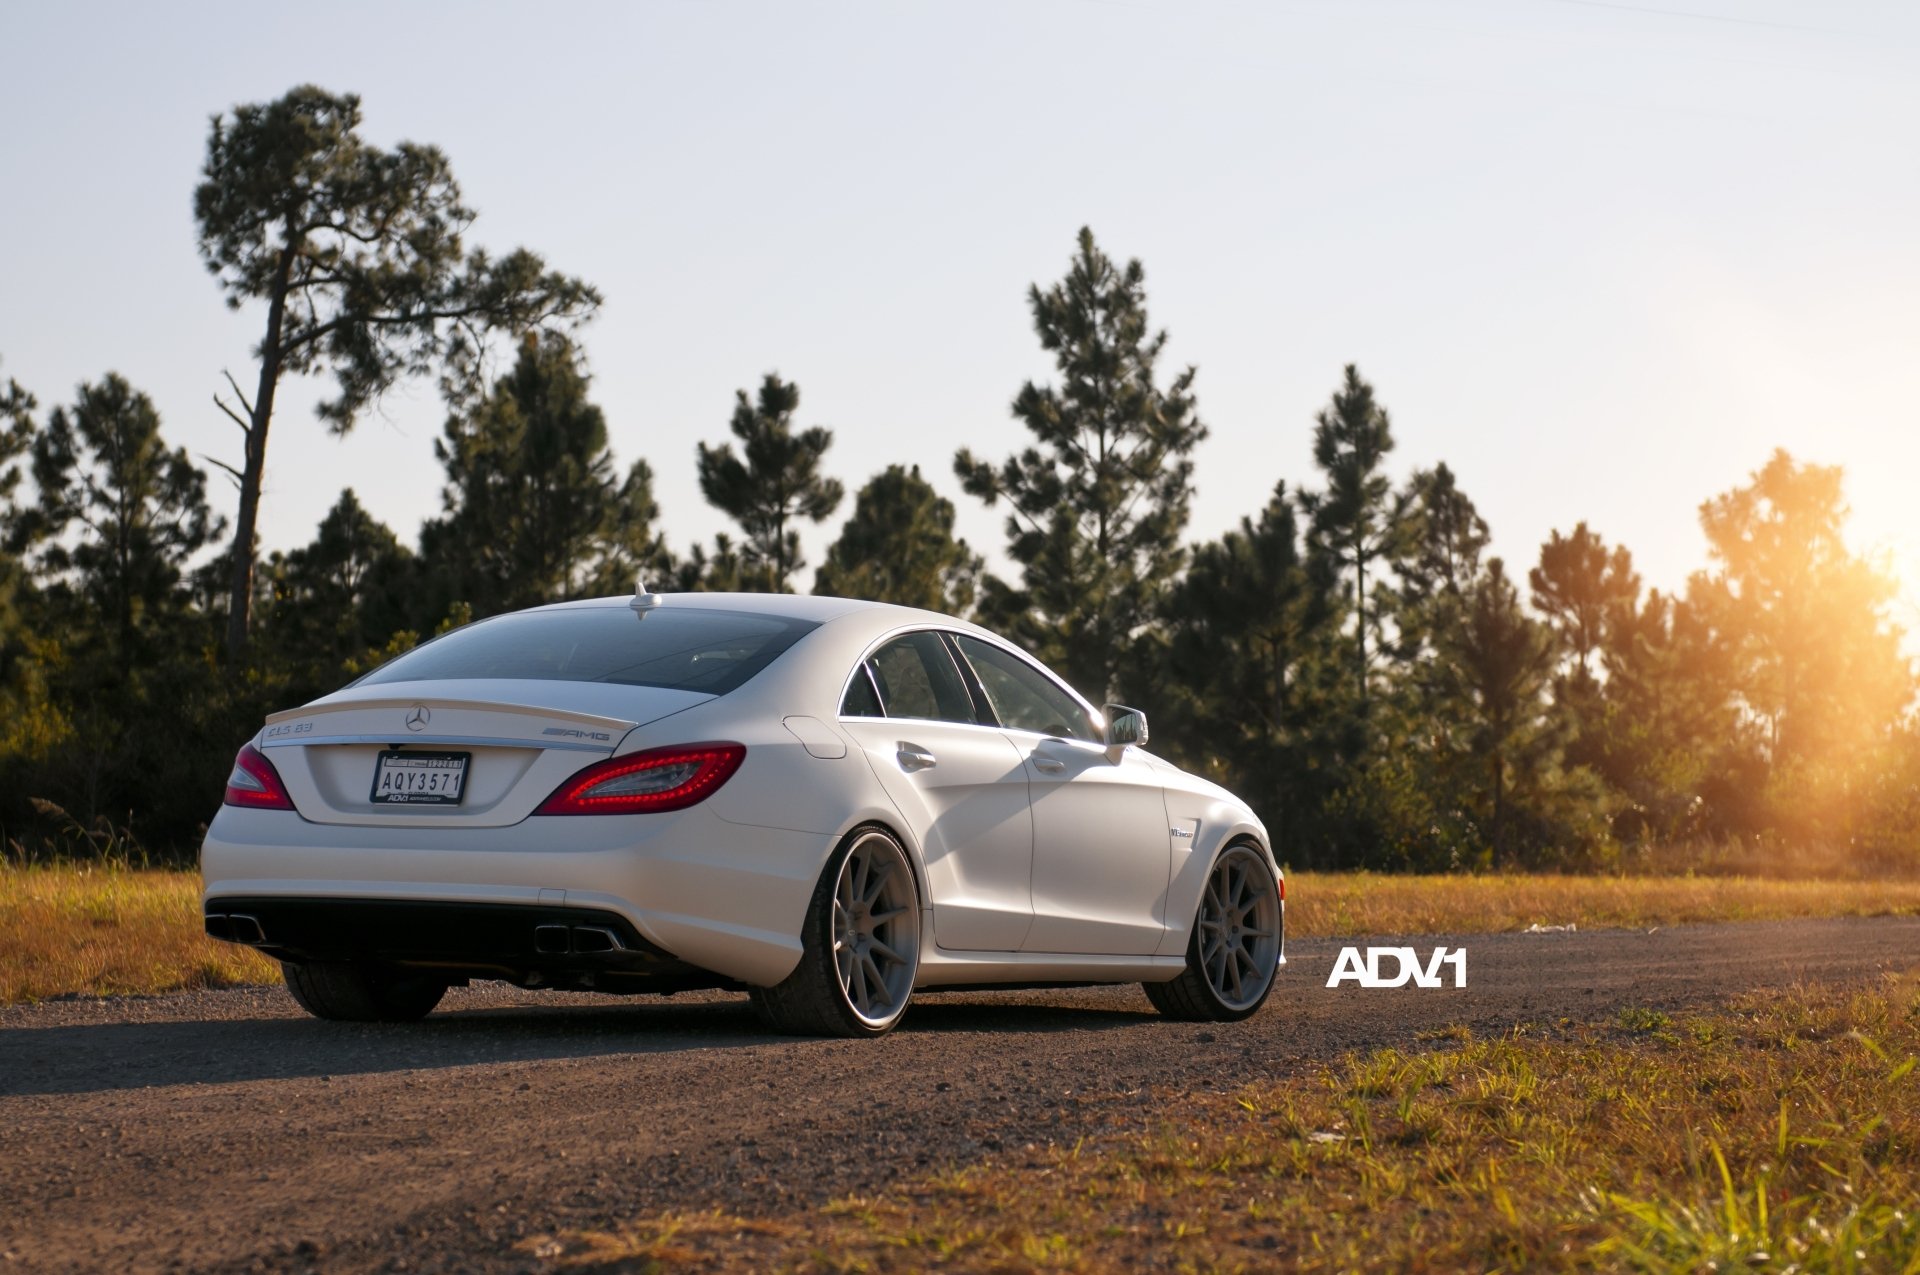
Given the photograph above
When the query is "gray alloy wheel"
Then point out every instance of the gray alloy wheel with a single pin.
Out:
(861, 946)
(1235, 949)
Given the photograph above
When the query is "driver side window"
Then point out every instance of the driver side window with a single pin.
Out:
(1024, 698)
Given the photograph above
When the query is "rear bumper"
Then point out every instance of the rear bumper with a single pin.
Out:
(569, 946)
(722, 897)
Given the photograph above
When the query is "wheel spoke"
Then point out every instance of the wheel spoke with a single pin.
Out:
(877, 982)
(884, 952)
(855, 982)
(881, 918)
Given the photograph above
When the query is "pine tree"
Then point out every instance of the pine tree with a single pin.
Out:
(348, 591)
(1498, 662)
(1097, 506)
(1441, 540)
(1250, 673)
(1578, 585)
(120, 513)
(1671, 742)
(534, 512)
(773, 483)
(17, 431)
(899, 547)
(357, 254)
(28, 723)
(1357, 519)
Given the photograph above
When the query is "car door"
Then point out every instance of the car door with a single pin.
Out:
(960, 784)
(1101, 858)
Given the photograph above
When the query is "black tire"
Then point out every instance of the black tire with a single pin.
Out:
(357, 992)
(815, 1000)
(1192, 997)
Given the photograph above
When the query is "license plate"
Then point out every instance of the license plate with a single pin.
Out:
(419, 779)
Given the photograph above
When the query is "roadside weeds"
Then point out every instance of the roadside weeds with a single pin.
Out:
(1782, 1133)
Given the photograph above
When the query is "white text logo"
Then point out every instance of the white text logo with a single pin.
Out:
(1366, 972)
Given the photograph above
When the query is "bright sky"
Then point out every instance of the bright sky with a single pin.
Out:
(1601, 258)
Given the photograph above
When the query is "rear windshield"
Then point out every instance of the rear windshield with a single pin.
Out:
(687, 649)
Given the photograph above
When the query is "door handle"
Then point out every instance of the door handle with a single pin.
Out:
(1048, 765)
(913, 757)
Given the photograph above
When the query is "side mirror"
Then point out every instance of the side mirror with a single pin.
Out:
(1125, 726)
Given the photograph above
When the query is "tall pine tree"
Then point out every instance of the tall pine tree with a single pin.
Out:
(535, 512)
(357, 254)
(1356, 518)
(1098, 504)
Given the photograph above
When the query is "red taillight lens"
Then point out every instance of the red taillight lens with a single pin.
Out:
(647, 783)
(255, 783)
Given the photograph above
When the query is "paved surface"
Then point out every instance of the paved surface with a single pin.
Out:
(225, 1131)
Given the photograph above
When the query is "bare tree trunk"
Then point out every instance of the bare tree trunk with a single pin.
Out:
(260, 415)
(1499, 808)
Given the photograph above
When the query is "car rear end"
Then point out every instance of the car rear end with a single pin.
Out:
(516, 801)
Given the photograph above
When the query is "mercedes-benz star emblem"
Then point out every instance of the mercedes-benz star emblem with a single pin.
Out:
(418, 716)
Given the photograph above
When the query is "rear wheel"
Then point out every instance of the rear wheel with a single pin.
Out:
(360, 992)
(1235, 949)
(861, 946)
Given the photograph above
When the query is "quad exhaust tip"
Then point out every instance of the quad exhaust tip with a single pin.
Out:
(236, 928)
(578, 940)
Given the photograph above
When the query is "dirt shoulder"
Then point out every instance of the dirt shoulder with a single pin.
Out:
(216, 1130)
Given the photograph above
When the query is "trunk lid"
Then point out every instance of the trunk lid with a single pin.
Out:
(520, 739)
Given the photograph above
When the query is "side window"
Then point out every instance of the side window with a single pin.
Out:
(916, 678)
(1023, 697)
(861, 700)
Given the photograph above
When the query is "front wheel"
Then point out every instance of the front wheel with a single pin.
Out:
(1235, 949)
(860, 946)
(358, 992)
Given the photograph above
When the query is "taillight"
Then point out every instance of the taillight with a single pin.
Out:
(656, 780)
(255, 783)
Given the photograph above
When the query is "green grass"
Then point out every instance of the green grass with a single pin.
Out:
(1782, 1134)
(70, 929)
(1345, 905)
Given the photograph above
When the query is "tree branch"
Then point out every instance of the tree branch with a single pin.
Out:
(232, 415)
(232, 473)
(236, 391)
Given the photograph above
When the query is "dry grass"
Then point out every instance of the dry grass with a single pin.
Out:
(1783, 1134)
(81, 930)
(1341, 905)
(104, 931)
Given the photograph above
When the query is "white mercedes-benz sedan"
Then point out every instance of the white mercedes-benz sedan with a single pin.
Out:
(829, 804)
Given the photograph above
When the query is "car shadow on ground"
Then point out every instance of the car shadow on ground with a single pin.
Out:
(102, 1057)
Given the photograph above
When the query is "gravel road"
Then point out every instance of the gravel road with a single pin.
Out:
(226, 1131)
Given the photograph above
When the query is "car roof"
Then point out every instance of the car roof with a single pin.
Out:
(792, 606)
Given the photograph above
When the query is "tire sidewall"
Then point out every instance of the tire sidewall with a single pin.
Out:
(1197, 968)
(819, 936)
